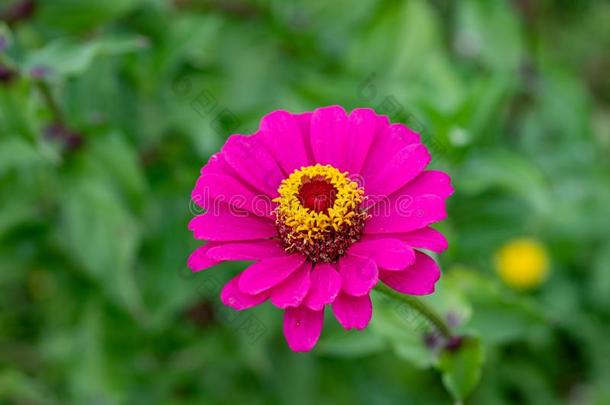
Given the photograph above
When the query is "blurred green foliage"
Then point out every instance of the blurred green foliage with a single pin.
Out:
(108, 108)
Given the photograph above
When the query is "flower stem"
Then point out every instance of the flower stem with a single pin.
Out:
(418, 305)
(50, 101)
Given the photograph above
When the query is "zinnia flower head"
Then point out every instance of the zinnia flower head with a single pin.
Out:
(326, 204)
(522, 263)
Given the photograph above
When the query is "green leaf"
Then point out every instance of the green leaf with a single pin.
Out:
(6, 34)
(67, 57)
(500, 315)
(403, 328)
(600, 279)
(354, 343)
(102, 237)
(90, 380)
(77, 15)
(402, 33)
(461, 367)
(508, 171)
(489, 31)
(14, 214)
(117, 159)
(18, 387)
(17, 153)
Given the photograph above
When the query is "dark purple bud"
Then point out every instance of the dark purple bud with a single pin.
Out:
(53, 131)
(201, 314)
(432, 340)
(454, 343)
(74, 141)
(68, 139)
(18, 11)
(7, 75)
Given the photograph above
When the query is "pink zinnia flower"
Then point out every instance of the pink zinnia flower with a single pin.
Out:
(326, 205)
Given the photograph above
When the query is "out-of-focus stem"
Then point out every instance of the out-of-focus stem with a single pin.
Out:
(424, 309)
(49, 100)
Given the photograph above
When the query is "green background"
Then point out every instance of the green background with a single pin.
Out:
(96, 303)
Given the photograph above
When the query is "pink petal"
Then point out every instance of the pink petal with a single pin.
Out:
(353, 312)
(325, 285)
(397, 170)
(268, 273)
(222, 224)
(232, 297)
(217, 164)
(424, 238)
(391, 254)
(302, 328)
(250, 250)
(429, 182)
(418, 279)
(404, 133)
(291, 292)
(282, 135)
(250, 159)
(303, 121)
(214, 189)
(394, 138)
(358, 274)
(364, 126)
(199, 259)
(329, 134)
(406, 215)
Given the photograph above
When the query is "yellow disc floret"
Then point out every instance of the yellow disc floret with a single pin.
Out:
(317, 201)
(522, 263)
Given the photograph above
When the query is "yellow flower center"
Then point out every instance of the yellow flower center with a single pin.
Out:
(319, 212)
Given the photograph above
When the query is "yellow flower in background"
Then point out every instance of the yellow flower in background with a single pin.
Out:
(522, 263)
